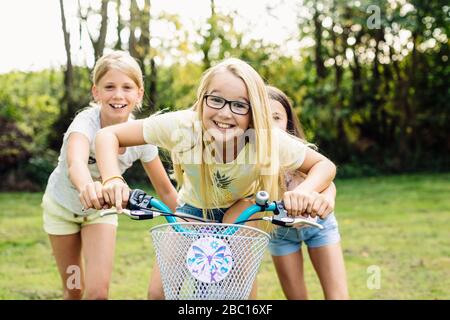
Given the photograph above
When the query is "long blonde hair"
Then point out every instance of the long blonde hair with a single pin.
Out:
(261, 122)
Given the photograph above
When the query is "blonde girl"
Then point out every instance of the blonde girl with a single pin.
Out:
(73, 197)
(224, 149)
(323, 245)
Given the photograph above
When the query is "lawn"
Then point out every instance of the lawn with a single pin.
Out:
(399, 225)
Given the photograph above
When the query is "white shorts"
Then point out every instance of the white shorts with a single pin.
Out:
(61, 221)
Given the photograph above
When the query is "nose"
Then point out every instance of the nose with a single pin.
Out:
(226, 110)
(118, 94)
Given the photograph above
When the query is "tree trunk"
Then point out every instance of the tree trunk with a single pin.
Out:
(207, 41)
(132, 41)
(68, 105)
(118, 45)
(152, 89)
(318, 59)
(99, 45)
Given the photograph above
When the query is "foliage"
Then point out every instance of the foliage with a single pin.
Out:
(374, 99)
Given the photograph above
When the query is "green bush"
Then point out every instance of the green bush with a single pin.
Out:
(40, 166)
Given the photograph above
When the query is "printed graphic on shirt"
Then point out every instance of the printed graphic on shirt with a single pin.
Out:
(223, 182)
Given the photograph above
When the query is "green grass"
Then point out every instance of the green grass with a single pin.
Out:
(400, 224)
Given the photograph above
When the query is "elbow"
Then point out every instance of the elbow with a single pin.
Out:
(106, 135)
(101, 134)
(333, 170)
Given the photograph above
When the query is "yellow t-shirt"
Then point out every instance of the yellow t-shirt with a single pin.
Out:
(180, 133)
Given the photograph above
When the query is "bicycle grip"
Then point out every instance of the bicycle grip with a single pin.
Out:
(138, 200)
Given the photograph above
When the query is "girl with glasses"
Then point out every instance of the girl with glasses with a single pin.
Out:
(224, 149)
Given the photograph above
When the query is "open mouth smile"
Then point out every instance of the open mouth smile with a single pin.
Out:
(117, 106)
(222, 125)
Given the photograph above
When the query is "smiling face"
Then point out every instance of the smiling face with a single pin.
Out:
(223, 124)
(279, 115)
(117, 94)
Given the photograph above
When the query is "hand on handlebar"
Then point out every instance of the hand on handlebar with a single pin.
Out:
(319, 206)
(296, 202)
(303, 203)
(116, 193)
(91, 196)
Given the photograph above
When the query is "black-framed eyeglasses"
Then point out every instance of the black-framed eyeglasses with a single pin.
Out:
(236, 107)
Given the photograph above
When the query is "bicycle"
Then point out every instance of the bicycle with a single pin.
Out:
(219, 260)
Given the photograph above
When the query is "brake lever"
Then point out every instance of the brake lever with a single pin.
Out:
(281, 218)
(133, 214)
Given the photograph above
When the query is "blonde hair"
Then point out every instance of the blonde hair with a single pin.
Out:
(121, 61)
(261, 121)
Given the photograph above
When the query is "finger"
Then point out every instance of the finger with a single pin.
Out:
(106, 197)
(83, 202)
(305, 202)
(317, 203)
(322, 212)
(313, 212)
(287, 201)
(98, 191)
(111, 196)
(87, 200)
(107, 204)
(93, 197)
(329, 209)
(125, 196)
(118, 198)
(310, 206)
(300, 206)
(297, 205)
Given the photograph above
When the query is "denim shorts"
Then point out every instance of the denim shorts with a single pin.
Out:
(212, 214)
(285, 241)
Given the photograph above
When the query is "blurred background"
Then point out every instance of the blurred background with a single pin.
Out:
(369, 80)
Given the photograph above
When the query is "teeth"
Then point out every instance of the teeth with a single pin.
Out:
(223, 125)
(118, 106)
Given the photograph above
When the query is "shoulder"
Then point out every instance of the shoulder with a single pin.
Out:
(170, 121)
(86, 122)
(89, 112)
(180, 115)
(88, 117)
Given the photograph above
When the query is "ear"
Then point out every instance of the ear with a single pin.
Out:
(140, 94)
(94, 91)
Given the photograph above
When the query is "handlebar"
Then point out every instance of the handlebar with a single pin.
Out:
(142, 207)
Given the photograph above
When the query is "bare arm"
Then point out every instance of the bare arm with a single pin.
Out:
(90, 192)
(107, 143)
(161, 182)
(320, 173)
(330, 194)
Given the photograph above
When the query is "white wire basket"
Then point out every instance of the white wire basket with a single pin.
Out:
(208, 261)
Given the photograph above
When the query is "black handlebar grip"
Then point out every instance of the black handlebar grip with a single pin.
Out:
(138, 200)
